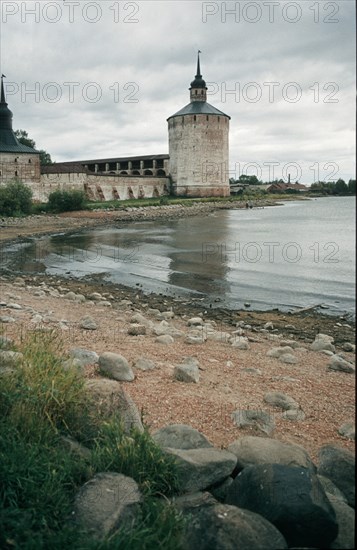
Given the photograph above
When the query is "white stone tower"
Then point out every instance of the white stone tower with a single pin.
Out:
(199, 146)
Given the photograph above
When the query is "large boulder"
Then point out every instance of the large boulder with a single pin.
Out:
(115, 366)
(107, 398)
(198, 469)
(224, 527)
(345, 516)
(338, 464)
(105, 503)
(84, 356)
(281, 400)
(187, 371)
(180, 436)
(323, 342)
(290, 498)
(251, 450)
(337, 363)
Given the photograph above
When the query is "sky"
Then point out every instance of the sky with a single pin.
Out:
(99, 79)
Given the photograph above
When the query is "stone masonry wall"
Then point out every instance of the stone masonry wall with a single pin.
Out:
(199, 155)
(25, 167)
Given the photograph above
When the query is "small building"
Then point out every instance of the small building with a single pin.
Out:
(287, 187)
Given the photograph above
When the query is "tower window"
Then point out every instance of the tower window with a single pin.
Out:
(29, 161)
(194, 118)
(16, 174)
(207, 117)
(16, 159)
(195, 92)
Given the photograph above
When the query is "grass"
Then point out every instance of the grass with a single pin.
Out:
(40, 402)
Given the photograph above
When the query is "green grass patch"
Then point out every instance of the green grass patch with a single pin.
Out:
(41, 401)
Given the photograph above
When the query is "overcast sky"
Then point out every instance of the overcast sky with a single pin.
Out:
(99, 79)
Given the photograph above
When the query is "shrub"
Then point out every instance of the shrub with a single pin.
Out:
(15, 199)
(66, 201)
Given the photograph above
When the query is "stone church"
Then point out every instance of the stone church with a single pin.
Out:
(197, 164)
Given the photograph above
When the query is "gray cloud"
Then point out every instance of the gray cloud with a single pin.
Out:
(153, 45)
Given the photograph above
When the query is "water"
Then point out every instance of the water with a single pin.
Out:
(295, 255)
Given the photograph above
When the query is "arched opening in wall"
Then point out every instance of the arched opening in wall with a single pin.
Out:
(112, 173)
(16, 173)
(131, 193)
(141, 194)
(15, 159)
(30, 161)
(148, 173)
(155, 192)
(135, 173)
(123, 173)
(161, 172)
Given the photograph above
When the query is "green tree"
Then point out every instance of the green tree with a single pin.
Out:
(352, 187)
(341, 187)
(23, 137)
(15, 199)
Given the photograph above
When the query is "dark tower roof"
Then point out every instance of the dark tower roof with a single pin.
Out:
(198, 107)
(198, 82)
(8, 141)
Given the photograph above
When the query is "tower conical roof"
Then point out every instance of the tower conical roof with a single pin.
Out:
(8, 141)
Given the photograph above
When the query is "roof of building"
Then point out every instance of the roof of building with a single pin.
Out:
(64, 168)
(8, 141)
(285, 186)
(118, 159)
(199, 108)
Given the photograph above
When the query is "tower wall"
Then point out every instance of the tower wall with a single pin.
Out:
(22, 166)
(199, 155)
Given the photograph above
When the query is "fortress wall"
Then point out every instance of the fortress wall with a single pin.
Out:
(22, 166)
(102, 187)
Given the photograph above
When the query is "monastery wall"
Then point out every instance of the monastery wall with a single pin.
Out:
(22, 166)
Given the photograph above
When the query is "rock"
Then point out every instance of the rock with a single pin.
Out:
(7, 319)
(84, 356)
(277, 352)
(339, 364)
(347, 346)
(322, 342)
(144, 364)
(347, 430)
(187, 372)
(70, 296)
(180, 436)
(201, 468)
(136, 330)
(252, 370)
(13, 305)
(291, 343)
(5, 342)
(330, 489)
(10, 358)
(240, 342)
(259, 420)
(108, 398)
(95, 296)
(88, 323)
(165, 328)
(115, 366)
(139, 319)
(269, 325)
(195, 321)
(196, 336)
(281, 400)
(345, 517)
(338, 464)
(72, 446)
(220, 491)
(74, 364)
(166, 315)
(105, 503)
(224, 527)
(251, 450)
(290, 498)
(218, 336)
(288, 358)
(104, 303)
(191, 502)
(295, 415)
(165, 339)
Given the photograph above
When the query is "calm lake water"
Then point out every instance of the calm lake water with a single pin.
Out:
(295, 255)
